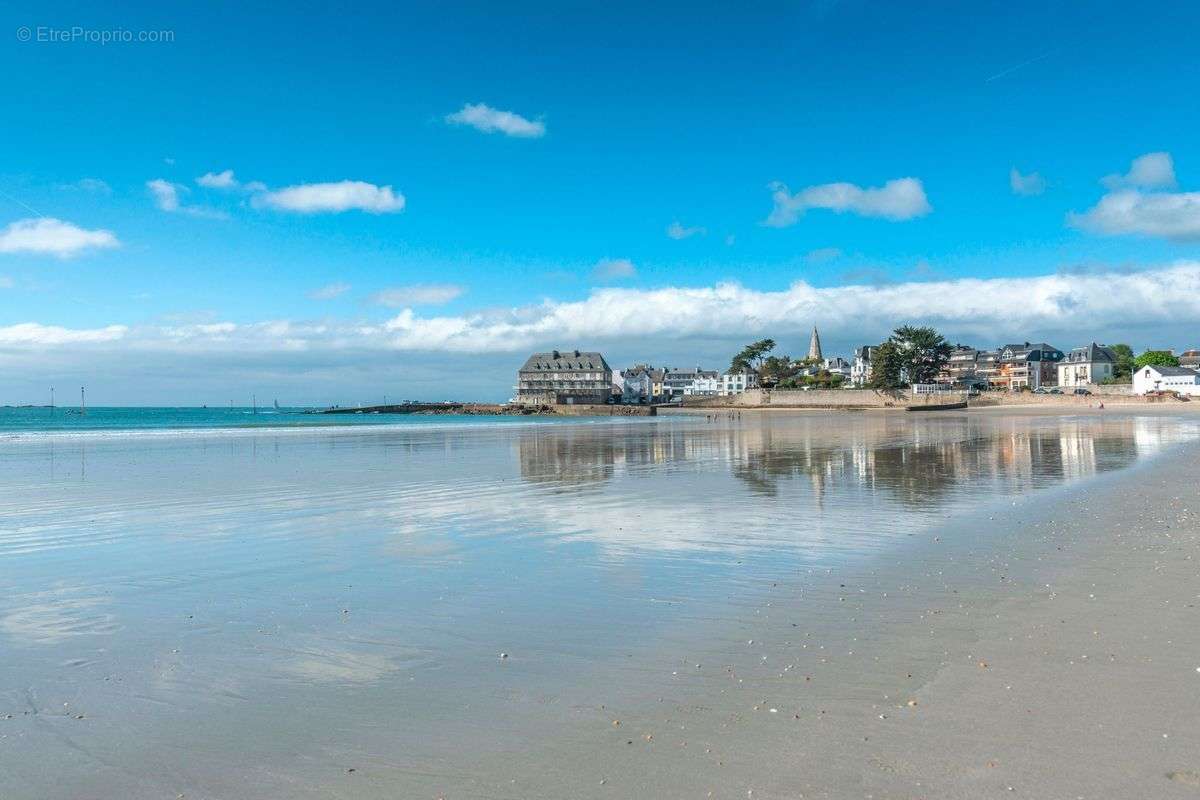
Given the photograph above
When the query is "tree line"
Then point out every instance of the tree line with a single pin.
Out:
(912, 354)
(782, 371)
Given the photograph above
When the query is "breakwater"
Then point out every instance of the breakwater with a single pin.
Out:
(506, 409)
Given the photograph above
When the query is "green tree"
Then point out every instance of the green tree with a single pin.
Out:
(1126, 363)
(910, 355)
(752, 355)
(824, 379)
(925, 352)
(887, 368)
(1156, 358)
(773, 370)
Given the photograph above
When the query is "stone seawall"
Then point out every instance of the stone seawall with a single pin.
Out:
(1070, 400)
(586, 410)
(859, 399)
(793, 398)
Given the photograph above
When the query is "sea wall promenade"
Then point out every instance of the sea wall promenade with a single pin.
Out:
(850, 399)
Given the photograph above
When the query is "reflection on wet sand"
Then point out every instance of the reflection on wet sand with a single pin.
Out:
(55, 615)
(198, 594)
(915, 462)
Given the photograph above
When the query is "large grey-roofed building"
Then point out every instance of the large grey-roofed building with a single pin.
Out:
(565, 376)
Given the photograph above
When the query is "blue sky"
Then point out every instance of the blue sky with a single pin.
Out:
(416, 242)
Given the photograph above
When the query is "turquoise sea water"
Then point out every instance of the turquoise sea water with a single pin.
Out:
(26, 419)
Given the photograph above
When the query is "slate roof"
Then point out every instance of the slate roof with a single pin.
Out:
(690, 373)
(1023, 351)
(565, 360)
(1172, 371)
(1027, 346)
(634, 371)
(1091, 353)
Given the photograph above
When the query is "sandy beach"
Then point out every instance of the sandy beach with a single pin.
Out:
(1052, 659)
(782, 606)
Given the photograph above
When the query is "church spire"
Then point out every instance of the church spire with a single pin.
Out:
(814, 346)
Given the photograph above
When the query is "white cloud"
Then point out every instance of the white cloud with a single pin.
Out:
(329, 357)
(51, 236)
(1168, 215)
(1129, 209)
(218, 180)
(428, 294)
(1027, 185)
(897, 200)
(676, 230)
(32, 334)
(315, 198)
(611, 269)
(1151, 171)
(166, 194)
(995, 307)
(329, 291)
(484, 118)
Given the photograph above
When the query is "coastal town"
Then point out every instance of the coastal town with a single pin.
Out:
(578, 377)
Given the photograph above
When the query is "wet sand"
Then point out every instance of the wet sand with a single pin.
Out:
(776, 607)
(1065, 663)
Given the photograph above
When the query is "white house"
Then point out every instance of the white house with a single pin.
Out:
(860, 370)
(838, 366)
(1083, 365)
(680, 382)
(636, 385)
(706, 385)
(738, 382)
(1167, 379)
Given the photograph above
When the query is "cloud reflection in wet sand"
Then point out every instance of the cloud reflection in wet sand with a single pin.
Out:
(335, 663)
(53, 616)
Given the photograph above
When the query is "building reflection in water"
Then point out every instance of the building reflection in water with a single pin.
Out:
(915, 461)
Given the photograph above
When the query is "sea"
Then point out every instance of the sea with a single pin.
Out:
(45, 419)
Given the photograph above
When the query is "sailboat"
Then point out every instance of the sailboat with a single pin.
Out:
(277, 404)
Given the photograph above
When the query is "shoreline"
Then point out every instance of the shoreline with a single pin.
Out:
(451, 421)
